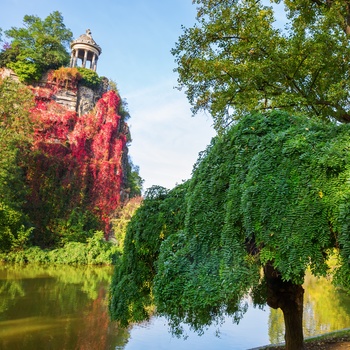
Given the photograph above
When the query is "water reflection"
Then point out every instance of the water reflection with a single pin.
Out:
(46, 307)
(64, 307)
(326, 309)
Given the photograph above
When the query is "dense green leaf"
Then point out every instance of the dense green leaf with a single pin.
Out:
(37, 47)
(235, 59)
(271, 191)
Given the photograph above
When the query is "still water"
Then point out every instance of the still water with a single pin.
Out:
(64, 307)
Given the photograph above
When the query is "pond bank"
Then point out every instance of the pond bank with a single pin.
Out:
(330, 341)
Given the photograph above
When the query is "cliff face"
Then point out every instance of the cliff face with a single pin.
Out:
(72, 95)
(79, 154)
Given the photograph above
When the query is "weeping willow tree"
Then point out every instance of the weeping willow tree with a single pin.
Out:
(267, 200)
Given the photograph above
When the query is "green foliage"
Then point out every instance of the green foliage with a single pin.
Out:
(123, 111)
(96, 251)
(78, 227)
(273, 189)
(37, 47)
(123, 106)
(112, 85)
(26, 71)
(132, 279)
(135, 272)
(15, 138)
(8, 56)
(342, 276)
(235, 60)
(123, 217)
(13, 234)
(100, 251)
(52, 201)
(12, 178)
(89, 78)
(16, 102)
(134, 180)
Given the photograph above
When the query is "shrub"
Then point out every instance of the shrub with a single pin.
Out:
(79, 226)
(26, 71)
(13, 234)
(100, 251)
(96, 251)
(71, 253)
(65, 77)
(89, 78)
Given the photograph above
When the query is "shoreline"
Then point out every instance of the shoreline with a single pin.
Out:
(339, 334)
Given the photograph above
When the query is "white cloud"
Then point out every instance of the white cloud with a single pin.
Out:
(166, 138)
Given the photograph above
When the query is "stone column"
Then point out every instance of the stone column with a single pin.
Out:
(93, 62)
(75, 58)
(85, 57)
(71, 59)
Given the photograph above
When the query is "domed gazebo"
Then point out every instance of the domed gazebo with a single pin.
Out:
(86, 49)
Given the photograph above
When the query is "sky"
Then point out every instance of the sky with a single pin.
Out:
(136, 37)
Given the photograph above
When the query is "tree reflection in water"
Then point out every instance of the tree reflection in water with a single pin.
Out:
(65, 307)
(326, 309)
(58, 307)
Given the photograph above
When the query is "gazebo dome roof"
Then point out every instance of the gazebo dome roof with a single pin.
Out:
(86, 39)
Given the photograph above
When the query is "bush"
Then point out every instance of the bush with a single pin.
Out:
(13, 234)
(96, 251)
(65, 77)
(89, 78)
(79, 226)
(26, 71)
(99, 251)
(71, 253)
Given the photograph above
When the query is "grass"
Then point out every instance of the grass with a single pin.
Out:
(319, 341)
(332, 335)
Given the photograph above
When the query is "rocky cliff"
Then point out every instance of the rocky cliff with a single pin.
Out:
(79, 150)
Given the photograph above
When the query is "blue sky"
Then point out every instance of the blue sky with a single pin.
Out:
(136, 37)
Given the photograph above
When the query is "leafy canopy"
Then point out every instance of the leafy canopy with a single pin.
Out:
(37, 47)
(16, 130)
(273, 190)
(15, 140)
(235, 60)
(148, 227)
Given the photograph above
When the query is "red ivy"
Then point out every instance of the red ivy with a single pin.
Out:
(89, 148)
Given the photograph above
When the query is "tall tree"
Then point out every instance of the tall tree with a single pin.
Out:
(37, 47)
(267, 201)
(235, 60)
(16, 130)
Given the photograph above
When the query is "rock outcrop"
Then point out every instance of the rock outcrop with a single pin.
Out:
(80, 146)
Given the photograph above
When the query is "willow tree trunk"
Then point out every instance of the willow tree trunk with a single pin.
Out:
(289, 298)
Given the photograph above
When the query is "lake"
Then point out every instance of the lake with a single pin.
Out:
(65, 307)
